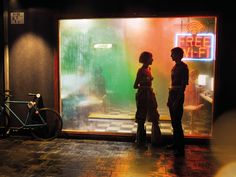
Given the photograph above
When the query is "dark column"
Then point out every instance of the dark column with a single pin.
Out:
(3, 40)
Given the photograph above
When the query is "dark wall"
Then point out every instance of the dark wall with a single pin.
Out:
(226, 68)
(31, 54)
(1, 50)
(33, 46)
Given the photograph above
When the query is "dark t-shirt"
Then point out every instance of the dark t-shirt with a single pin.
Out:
(143, 78)
(180, 75)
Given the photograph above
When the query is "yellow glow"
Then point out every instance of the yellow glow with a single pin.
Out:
(223, 145)
(24, 48)
(212, 84)
(228, 170)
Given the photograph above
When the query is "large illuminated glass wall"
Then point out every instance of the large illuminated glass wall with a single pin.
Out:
(99, 61)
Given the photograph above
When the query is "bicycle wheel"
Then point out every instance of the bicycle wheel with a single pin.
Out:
(53, 127)
(4, 122)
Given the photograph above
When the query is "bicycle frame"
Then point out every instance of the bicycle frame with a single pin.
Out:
(25, 123)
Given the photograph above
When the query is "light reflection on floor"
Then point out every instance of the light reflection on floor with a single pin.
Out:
(122, 121)
(24, 157)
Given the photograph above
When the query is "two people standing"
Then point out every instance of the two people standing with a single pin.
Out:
(147, 105)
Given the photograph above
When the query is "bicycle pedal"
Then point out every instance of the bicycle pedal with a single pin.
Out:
(8, 132)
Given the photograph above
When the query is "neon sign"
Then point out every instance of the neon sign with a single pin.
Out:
(196, 46)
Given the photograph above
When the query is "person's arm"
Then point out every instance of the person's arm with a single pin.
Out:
(185, 78)
(136, 82)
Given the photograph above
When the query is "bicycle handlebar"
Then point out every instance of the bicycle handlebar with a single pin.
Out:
(34, 94)
(7, 94)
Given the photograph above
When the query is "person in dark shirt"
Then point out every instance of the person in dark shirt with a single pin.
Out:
(179, 80)
(146, 102)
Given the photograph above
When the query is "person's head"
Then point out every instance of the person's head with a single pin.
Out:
(145, 58)
(177, 53)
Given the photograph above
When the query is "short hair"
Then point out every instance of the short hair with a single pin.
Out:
(144, 56)
(178, 51)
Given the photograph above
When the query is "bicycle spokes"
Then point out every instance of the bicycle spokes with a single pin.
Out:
(52, 127)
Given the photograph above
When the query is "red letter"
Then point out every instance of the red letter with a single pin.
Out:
(198, 41)
(189, 41)
(207, 41)
(203, 52)
(182, 41)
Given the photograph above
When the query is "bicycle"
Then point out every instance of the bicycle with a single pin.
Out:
(44, 123)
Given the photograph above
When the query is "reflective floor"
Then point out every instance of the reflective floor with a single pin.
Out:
(23, 156)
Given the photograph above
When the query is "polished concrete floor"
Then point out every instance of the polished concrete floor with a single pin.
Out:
(22, 156)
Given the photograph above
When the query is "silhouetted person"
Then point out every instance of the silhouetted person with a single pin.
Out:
(99, 83)
(100, 86)
(179, 80)
(146, 102)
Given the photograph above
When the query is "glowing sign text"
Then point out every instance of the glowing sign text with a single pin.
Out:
(196, 47)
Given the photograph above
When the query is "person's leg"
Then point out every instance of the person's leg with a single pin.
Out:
(141, 134)
(178, 135)
(170, 103)
(153, 116)
(140, 120)
(156, 138)
(140, 116)
(173, 123)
